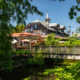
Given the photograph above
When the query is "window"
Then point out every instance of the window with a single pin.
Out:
(35, 26)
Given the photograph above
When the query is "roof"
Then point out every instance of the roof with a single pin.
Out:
(65, 38)
(16, 34)
(62, 26)
(44, 24)
(24, 34)
(35, 21)
(50, 26)
(59, 31)
(53, 24)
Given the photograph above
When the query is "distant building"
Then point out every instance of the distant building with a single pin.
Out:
(44, 28)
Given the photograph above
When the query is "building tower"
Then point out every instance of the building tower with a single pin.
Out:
(47, 19)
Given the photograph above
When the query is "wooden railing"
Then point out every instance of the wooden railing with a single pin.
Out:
(56, 49)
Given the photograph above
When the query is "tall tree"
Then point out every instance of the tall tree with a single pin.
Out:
(12, 10)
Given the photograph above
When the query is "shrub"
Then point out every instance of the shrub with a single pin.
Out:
(50, 40)
(71, 72)
(21, 52)
(37, 59)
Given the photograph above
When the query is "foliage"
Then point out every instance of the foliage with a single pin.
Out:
(37, 59)
(22, 52)
(71, 72)
(18, 28)
(6, 64)
(72, 41)
(67, 43)
(5, 47)
(74, 9)
(50, 40)
(40, 41)
(28, 78)
(17, 10)
(11, 10)
(77, 42)
(78, 19)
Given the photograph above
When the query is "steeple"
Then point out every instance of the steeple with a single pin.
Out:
(47, 18)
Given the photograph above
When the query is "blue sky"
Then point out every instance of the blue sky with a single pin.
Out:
(58, 12)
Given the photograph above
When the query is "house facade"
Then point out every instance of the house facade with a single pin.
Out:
(44, 28)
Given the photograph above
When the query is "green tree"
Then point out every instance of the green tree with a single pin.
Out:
(12, 10)
(5, 47)
(13, 30)
(50, 40)
(18, 28)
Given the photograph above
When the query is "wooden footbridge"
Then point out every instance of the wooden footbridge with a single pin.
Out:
(67, 52)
